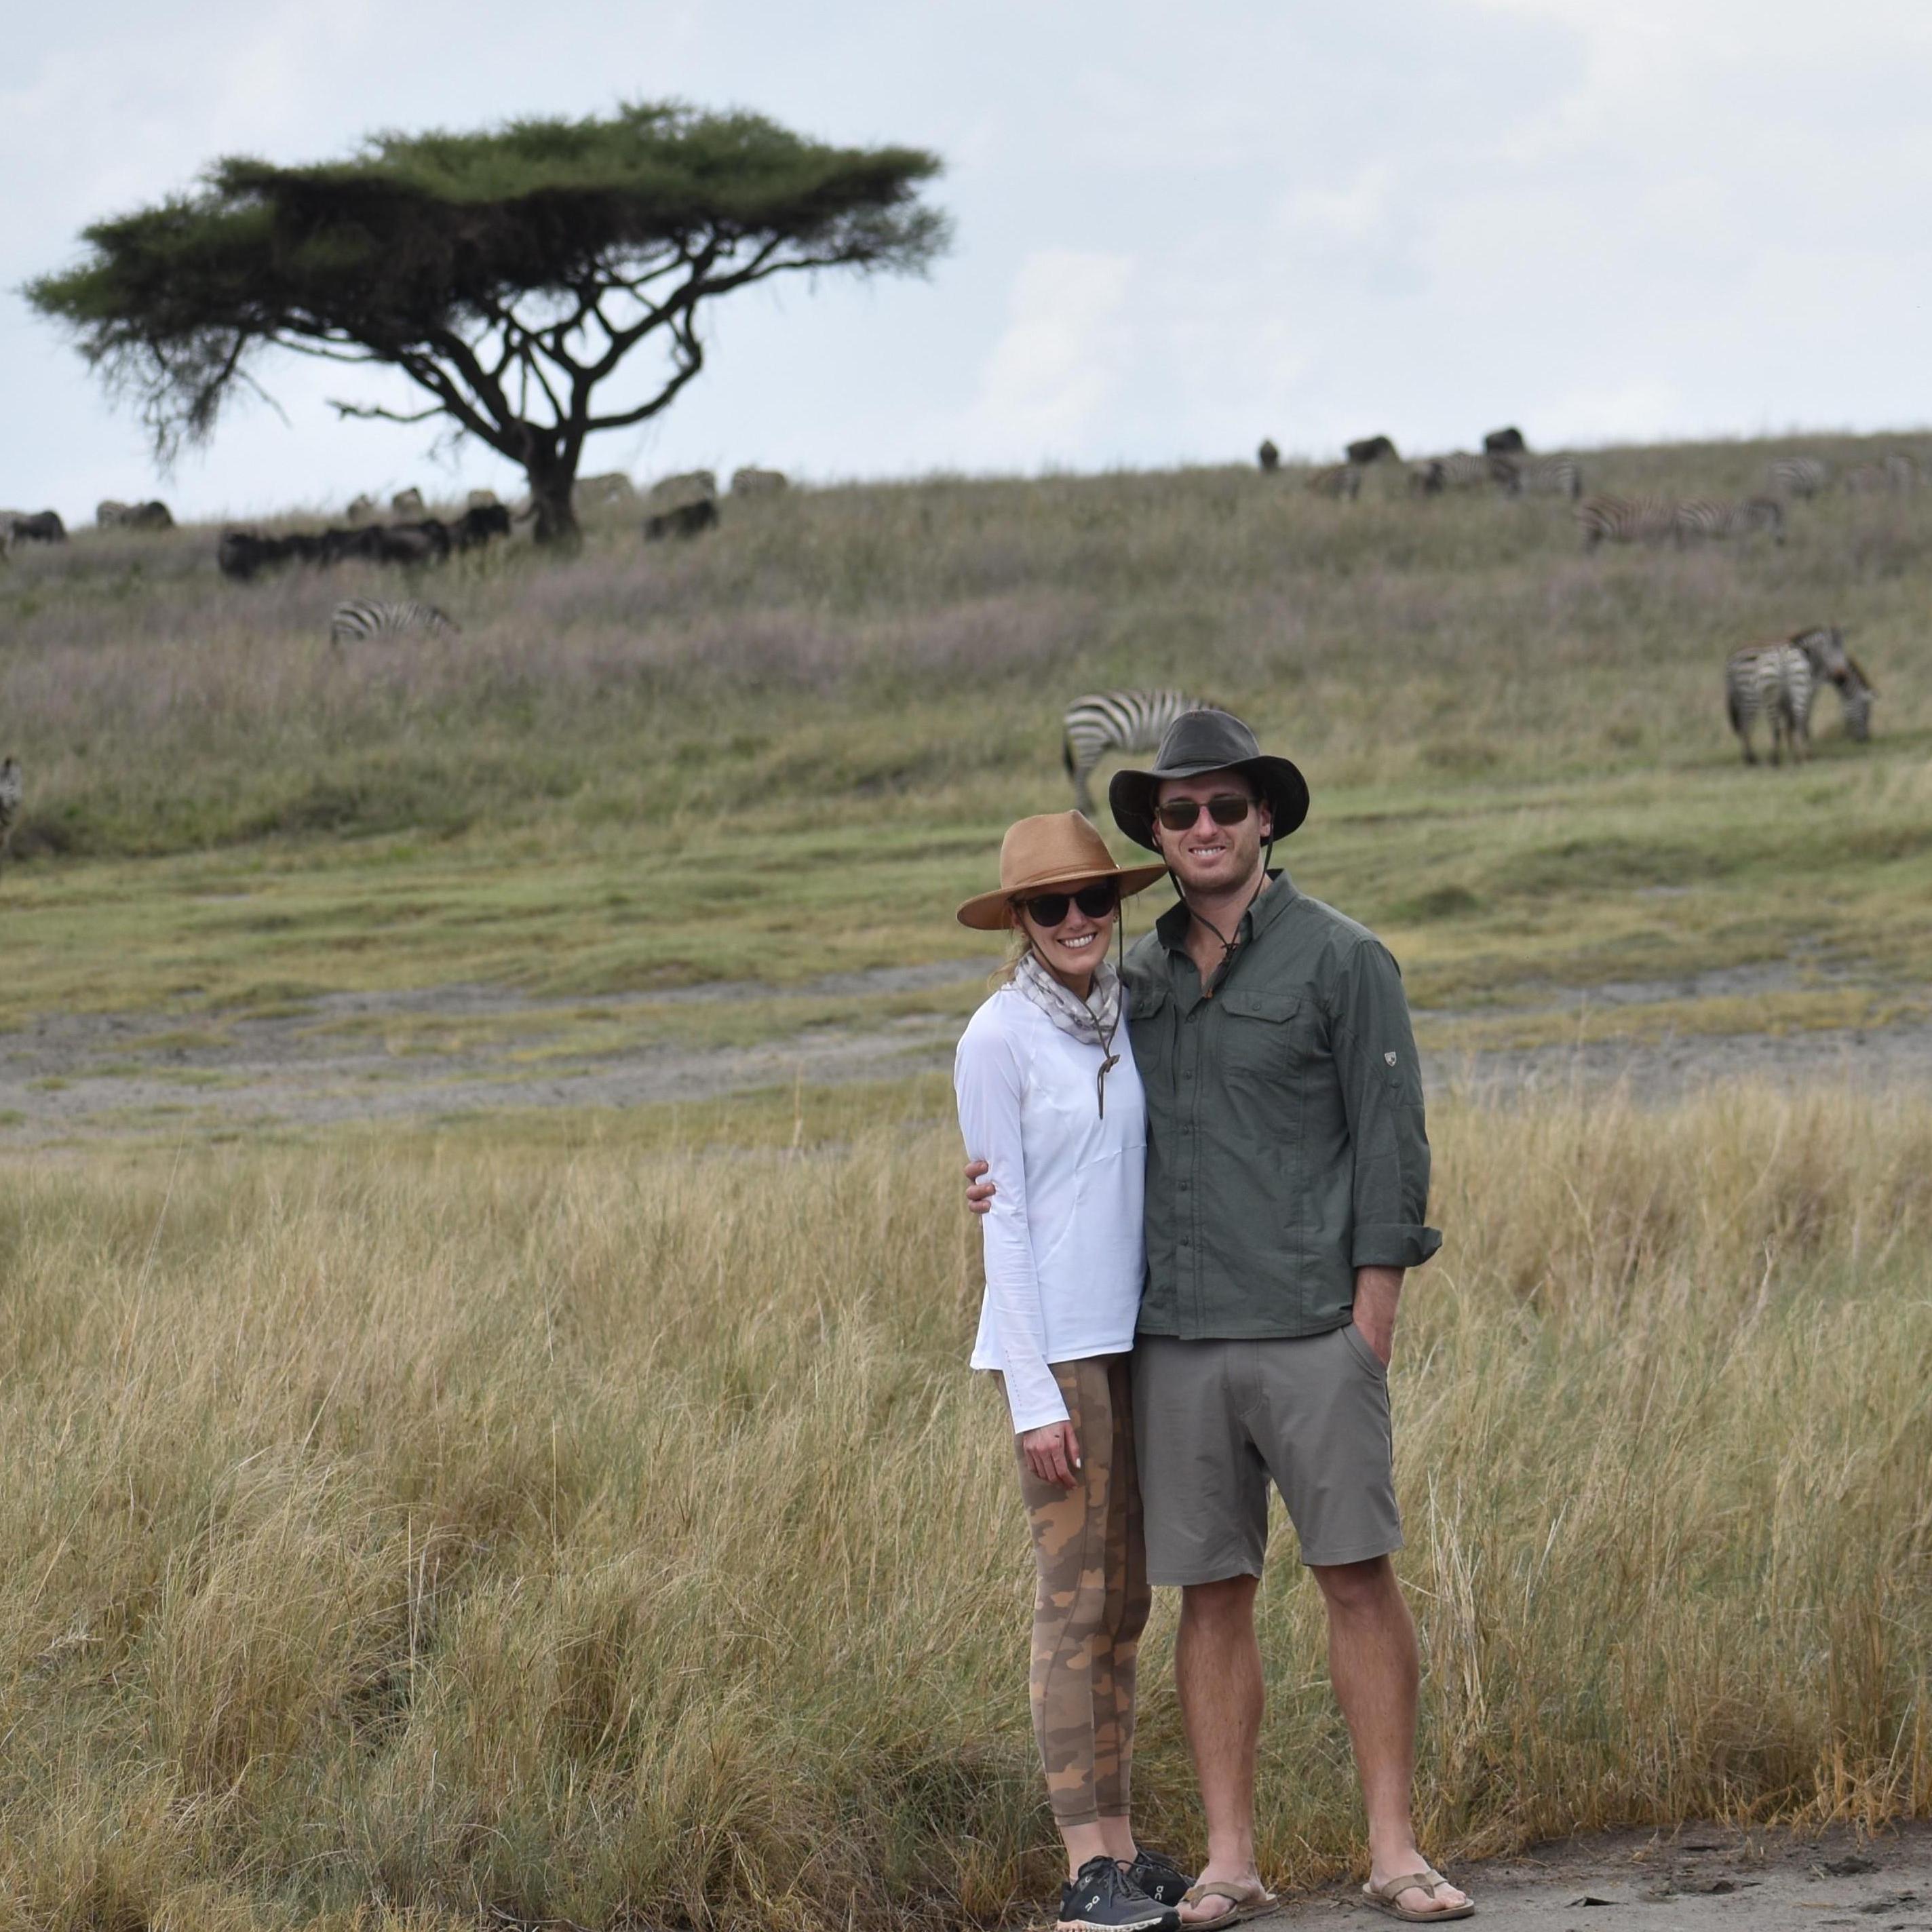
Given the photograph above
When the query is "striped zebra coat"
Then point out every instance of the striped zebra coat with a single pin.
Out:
(1777, 682)
(1718, 517)
(1796, 475)
(1832, 664)
(1625, 520)
(1115, 720)
(1431, 475)
(357, 618)
(1898, 474)
(1539, 476)
(1338, 480)
(12, 792)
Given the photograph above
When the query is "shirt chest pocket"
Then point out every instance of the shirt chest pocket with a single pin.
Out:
(1259, 1036)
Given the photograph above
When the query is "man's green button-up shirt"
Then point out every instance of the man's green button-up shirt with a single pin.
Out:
(1285, 1146)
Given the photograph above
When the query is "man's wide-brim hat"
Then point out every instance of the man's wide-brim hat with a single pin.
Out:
(1198, 742)
(1059, 851)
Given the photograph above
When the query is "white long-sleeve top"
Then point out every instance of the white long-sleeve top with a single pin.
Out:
(1063, 1244)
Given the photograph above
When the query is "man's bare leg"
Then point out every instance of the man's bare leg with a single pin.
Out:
(1373, 1664)
(1217, 1666)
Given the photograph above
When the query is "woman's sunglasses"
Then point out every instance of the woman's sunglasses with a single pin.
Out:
(1177, 814)
(1050, 908)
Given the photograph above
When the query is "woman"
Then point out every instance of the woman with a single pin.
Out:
(1049, 1096)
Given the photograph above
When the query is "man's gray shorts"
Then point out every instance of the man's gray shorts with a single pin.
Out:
(1216, 1419)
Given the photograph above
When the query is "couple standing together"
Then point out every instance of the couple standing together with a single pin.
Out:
(1204, 1176)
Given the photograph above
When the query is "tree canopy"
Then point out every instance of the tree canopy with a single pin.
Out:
(507, 273)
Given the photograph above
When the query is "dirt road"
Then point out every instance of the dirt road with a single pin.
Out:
(456, 1050)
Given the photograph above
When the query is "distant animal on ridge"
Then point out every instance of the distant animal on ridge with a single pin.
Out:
(1505, 442)
(686, 520)
(1432, 475)
(1796, 475)
(1115, 720)
(1624, 519)
(11, 792)
(1718, 517)
(1898, 474)
(1338, 480)
(1538, 476)
(1372, 449)
(110, 515)
(35, 525)
(407, 502)
(1268, 457)
(357, 618)
(604, 492)
(749, 482)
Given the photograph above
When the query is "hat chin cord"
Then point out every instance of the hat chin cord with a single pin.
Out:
(1229, 946)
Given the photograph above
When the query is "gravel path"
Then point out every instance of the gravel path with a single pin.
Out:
(77, 1075)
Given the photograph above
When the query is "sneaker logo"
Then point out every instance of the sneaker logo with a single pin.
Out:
(1094, 1901)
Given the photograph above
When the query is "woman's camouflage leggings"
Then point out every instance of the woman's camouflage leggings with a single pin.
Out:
(1092, 1601)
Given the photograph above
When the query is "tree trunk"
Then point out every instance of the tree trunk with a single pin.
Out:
(549, 498)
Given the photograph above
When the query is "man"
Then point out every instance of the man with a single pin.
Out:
(1288, 1179)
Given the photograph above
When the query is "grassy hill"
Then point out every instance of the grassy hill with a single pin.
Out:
(791, 746)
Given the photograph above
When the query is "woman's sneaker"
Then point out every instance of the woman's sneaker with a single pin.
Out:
(1157, 1874)
(1101, 1897)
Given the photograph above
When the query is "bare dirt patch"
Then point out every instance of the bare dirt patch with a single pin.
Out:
(454, 1050)
(1699, 1879)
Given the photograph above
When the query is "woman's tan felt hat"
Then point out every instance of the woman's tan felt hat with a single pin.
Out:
(1058, 849)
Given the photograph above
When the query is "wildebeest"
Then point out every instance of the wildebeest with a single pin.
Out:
(1505, 442)
(1372, 449)
(478, 524)
(35, 525)
(1267, 456)
(749, 482)
(153, 515)
(406, 503)
(686, 520)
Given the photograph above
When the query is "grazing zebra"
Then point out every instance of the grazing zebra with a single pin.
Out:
(1539, 476)
(11, 792)
(1115, 720)
(1624, 519)
(361, 617)
(1796, 475)
(1459, 470)
(1338, 480)
(1718, 517)
(1832, 664)
(1776, 679)
(1896, 474)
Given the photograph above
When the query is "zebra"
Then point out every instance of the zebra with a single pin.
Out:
(1539, 476)
(1115, 720)
(1720, 517)
(1832, 664)
(1895, 474)
(11, 793)
(1338, 480)
(1796, 475)
(1459, 470)
(1624, 519)
(1778, 680)
(361, 617)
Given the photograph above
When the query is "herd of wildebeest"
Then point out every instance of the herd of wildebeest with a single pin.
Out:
(1775, 680)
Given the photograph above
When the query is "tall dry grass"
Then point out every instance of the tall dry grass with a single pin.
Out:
(616, 1536)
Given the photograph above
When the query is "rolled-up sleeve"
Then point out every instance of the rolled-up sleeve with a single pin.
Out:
(1381, 1077)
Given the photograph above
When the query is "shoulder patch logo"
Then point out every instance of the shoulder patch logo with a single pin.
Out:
(1389, 1058)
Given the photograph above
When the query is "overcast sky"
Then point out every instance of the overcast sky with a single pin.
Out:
(1178, 228)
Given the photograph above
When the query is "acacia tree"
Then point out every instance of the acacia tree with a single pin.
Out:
(508, 274)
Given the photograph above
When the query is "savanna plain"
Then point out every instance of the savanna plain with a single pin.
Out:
(456, 1508)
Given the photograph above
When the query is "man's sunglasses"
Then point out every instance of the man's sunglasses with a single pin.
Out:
(1178, 813)
(1050, 908)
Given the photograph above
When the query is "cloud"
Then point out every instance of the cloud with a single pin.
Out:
(1063, 351)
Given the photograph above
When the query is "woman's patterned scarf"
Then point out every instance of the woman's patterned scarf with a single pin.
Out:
(1093, 1020)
